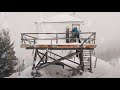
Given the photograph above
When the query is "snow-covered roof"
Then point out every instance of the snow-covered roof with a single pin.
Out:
(63, 18)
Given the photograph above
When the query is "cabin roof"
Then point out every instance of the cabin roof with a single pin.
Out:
(63, 18)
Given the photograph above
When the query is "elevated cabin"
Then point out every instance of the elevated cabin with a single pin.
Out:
(57, 37)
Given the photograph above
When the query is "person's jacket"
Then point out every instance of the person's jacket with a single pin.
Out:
(74, 30)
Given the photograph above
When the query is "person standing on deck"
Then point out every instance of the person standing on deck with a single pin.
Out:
(67, 34)
(75, 33)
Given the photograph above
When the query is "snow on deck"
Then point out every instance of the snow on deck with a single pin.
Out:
(60, 42)
(48, 42)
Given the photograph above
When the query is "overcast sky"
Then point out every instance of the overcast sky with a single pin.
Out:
(106, 24)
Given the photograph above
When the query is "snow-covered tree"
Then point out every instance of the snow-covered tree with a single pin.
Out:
(7, 54)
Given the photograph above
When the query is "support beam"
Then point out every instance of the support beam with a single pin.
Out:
(58, 60)
(41, 60)
(65, 58)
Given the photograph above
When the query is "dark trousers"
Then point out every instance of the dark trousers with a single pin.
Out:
(75, 36)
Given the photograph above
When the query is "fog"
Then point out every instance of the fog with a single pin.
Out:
(105, 24)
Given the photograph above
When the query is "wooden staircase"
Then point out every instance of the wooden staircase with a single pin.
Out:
(87, 60)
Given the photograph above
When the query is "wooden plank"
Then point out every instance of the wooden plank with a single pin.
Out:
(30, 36)
(57, 46)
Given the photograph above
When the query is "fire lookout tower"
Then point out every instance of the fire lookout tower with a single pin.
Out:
(60, 40)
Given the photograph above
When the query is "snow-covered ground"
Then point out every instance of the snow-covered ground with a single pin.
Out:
(103, 70)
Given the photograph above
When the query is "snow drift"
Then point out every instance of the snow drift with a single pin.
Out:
(103, 70)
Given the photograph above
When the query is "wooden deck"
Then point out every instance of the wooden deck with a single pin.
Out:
(58, 47)
(30, 42)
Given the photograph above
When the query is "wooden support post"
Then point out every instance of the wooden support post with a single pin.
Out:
(51, 45)
(35, 56)
(56, 39)
(95, 63)
(67, 35)
(34, 41)
(76, 52)
(46, 56)
(33, 68)
(91, 61)
(22, 39)
(81, 60)
(94, 37)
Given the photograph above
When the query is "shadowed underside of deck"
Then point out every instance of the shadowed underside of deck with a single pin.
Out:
(57, 47)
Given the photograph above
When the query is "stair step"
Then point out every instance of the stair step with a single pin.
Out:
(87, 56)
(87, 65)
(86, 61)
(86, 53)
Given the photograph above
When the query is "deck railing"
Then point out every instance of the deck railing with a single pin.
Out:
(32, 38)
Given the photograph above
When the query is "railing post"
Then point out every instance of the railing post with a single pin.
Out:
(56, 39)
(22, 38)
(94, 37)
(51, 45)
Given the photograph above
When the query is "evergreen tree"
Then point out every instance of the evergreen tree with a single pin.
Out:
(7, 54)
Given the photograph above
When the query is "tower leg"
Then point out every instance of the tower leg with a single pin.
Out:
(46, 56)
(35, 56)
(91, 61)
(81, 60)
(33, 68)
